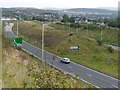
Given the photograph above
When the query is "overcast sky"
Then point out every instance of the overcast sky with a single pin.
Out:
(59, 3)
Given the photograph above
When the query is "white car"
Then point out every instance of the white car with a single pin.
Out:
(65, 60)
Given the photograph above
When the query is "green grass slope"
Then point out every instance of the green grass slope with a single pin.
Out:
(59, 40)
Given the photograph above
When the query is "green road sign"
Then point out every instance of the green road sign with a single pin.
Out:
(17, 41)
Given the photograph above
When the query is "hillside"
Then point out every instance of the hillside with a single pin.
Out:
(91, 12)
(22, 70)
(28, 10)
(59, 38)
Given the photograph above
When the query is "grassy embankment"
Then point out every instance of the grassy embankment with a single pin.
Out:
(109, 34)
(59, 38)
(21, 70)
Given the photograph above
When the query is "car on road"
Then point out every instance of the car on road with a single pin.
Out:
(65, 60)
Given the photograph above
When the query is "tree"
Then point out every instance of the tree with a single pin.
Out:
(72, 19)
(113, 22)
(119, 22)
(100, 20)
(65, 18)
(84, 18)
(75, 25)
(33, 18)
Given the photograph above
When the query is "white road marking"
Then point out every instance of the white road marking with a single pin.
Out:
(89, 75)
(70, 66)
(89, 83)
(95, 71)
(114, 86)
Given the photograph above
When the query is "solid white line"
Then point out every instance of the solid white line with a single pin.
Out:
(72, 62)
(83, 80)
(89, 83)
(114, 86)
(56, 67)
(31, 45)
(60, 69)
(32, 54)
(44, 50)
(96, 71)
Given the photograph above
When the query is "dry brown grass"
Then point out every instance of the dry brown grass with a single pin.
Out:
(22, 70)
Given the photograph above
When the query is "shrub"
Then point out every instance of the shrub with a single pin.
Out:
(75, 25)
(71, 34)
(110, 49)
(99, 42)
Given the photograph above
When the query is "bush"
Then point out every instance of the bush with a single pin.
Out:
(75, 25)
(71, 34)
(110, 49)
(99, 42)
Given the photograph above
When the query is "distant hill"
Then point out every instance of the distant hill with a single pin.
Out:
(91, 12)
(109, 8)
(28, 11)
(74, 11)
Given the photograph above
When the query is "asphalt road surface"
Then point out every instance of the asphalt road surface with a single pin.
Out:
(86, 74)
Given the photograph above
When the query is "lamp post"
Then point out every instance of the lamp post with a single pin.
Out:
(87, 25)
(102, 27)
(17, 28)
(17, 24)
(101, 34)
(42, 41)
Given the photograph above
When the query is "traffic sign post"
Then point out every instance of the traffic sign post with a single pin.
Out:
(17, 42)
(54, 56)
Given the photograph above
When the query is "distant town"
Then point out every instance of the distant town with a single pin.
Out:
(77, 15)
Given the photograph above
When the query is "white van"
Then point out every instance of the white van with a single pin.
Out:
(65, 60)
